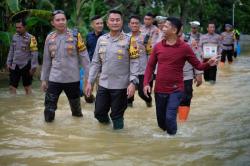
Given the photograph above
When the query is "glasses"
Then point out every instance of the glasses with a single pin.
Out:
(57, 12)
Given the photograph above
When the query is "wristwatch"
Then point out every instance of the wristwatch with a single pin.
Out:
(134, 82)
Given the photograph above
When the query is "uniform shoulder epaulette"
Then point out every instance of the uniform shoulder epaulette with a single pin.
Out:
(51, 35)
(106, 34)
(129, 34)
(103, 37)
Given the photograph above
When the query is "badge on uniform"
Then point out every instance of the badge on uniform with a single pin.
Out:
(33, 44)
(133, 48)
(80, 44)
(24, 48)
(52, 50)
(120, 54)
(70, 39)
(70, 49)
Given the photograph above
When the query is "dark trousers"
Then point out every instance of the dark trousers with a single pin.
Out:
(55, 89)
(166, 110)
(210, 74)
(188, 93)
(116, 99)
(17, 74)
(227, 54)
(140, 91)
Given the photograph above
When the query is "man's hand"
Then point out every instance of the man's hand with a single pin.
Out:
(213, 61)
(44, 86)
(32, 71)
(88, 89)
(198, 80)
(147, 90)
(8, 68)
(131, 90)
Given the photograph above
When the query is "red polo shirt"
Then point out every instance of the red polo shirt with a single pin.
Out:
(171, 60)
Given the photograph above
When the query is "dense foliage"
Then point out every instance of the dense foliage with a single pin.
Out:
(37, 14)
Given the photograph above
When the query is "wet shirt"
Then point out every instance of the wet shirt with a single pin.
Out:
(143, 57)
(63, 55)
(23, 49)
(112, 59)
(171, 60)
(227, 40)
(210, 38)
(91, 41)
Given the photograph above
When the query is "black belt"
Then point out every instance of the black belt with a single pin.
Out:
(227, 44)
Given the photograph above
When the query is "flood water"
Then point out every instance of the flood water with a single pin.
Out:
(217, 132)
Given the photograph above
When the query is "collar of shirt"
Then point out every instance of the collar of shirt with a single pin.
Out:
(178, 42)
(114, 39)
(93, 34)
(25, 35)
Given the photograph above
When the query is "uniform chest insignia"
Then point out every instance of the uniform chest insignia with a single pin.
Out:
(103, 43)
(119, 57)
(70, 39)
(119, 51)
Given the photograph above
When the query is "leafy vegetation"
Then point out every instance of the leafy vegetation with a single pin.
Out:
(79, 12)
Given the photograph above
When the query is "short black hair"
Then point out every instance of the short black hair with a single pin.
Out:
(211, 22)
(21, 21)
(176, 22)
(150, 15)
(55, 12)
(95, 17)
(134, 17)
(114, 12)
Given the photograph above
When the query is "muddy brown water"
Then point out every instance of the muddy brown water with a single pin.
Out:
(217, 132)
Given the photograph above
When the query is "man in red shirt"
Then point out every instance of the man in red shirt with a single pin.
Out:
(170, 54)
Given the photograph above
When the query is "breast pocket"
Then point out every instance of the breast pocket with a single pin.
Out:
(121, 52)
(52, 49)
(25, 46)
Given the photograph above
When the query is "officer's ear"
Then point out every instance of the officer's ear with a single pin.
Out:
(52, 22)
(92, 24)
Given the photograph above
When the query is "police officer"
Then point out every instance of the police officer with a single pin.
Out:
(91, 40)
(137, 43)
(210, 38)
(64, 50)
(22, 58)
(160, 24)
(227, 44)
(151, 31)
(118, 72)
(190, 73)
